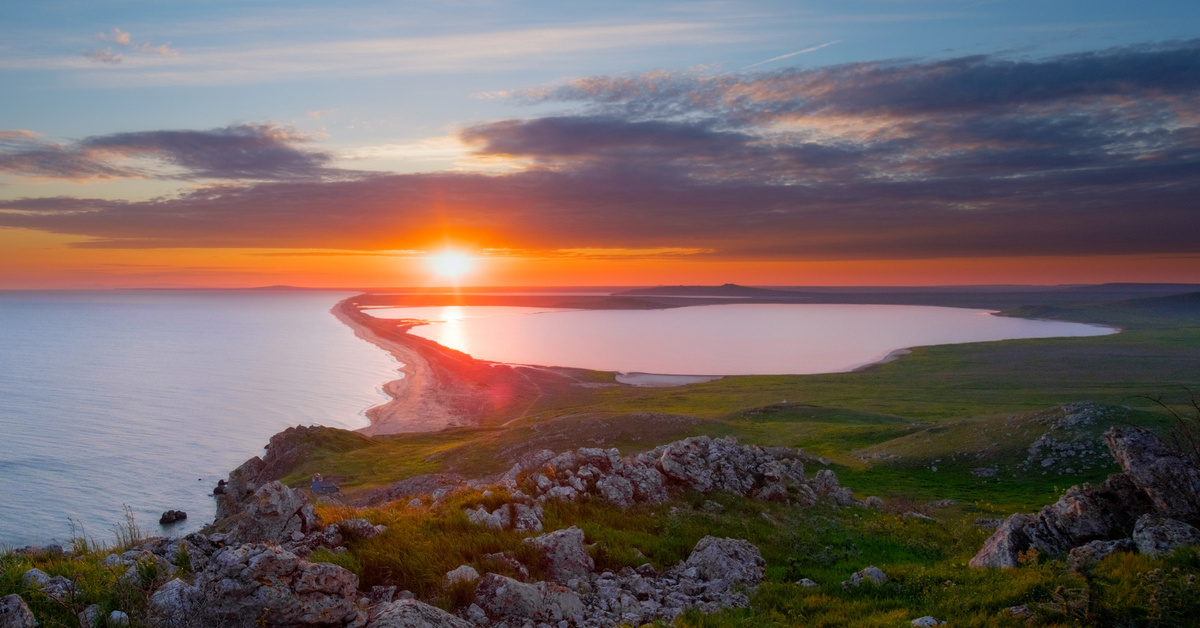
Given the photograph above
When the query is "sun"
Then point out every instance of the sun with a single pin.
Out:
(451, 264)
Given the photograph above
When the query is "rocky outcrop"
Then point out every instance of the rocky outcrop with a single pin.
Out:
(273, 513)
(1159, 536)
(1157, 483)
(871, 574)
(413, 614)
(261, 584)
(14, 613)
(564, 554)
(503, 599)
(1170, 480)
(731, 561)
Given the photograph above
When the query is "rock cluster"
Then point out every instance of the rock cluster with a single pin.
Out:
(1155, 500)
(1071, 444)
(700, 463)
(718, 574)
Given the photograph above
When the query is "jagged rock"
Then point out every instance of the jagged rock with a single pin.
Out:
(616, 489)
(526, 518)
(57, 587)
(498, 519)
(502, 597)
(686, 461)
(1087, 555)
(1169, 479)
(146, 569)
(361, 528)
(507, 563)
(1003, 549)
(873, 502)
(733, 561)
(1159, 536)
(414, 614)
(14, 613)
(172, 516)
(256, 583)
(926, 622)
(825, 482)
(273, 514)
(649, 485)
(871, 574)
(566, 556)
(462, 573)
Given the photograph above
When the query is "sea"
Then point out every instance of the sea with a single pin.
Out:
(137, 402)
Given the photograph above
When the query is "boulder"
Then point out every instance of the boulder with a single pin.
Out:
(526, 518)
(172, 516)
(1159, 536)
(361, 528)
(825, 482)
(498, 519)
(462, 573)
(14, 613)
(870, 574)
(686, 461)
(1169, 479)
(1002, 550)
(926, 622)
(274, 513)
(414, 614)
(566, 557)
(1087, 555)
(502, 597)
(57, 587)
(260, 584)
(649, 485)
(733, 561)
(616, 489)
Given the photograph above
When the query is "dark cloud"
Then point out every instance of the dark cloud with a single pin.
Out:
(1079, 155)
(248, 151)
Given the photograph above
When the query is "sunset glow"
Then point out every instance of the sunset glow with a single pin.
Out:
(450, 264)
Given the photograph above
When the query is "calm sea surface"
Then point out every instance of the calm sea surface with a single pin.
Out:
(735, 339)
(147, 398)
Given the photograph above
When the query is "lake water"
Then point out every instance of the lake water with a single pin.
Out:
(147, 398)
(734, 339)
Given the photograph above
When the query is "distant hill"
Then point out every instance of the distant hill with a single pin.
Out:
(727, 290)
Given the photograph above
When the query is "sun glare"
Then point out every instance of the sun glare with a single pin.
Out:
(451, 264)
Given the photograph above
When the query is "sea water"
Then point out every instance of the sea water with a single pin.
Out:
(146, 398)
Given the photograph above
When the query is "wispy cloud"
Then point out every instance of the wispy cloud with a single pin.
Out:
(117, 35)
(103, 56)
(793, 54)
(476, 52)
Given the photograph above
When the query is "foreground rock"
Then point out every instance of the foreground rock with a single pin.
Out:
(413, 614)
(1156, 482)
(565, 555)
(260, 584)
(14, 613)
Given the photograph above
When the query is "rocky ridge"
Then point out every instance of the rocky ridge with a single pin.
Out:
(1153, 505)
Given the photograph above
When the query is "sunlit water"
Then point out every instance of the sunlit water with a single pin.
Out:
(735, 339)
(147, 398)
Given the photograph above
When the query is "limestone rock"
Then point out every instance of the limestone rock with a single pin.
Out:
(1158, 536)
(414, 614)
(731, 560)
(173, 603)
(926, 622)
(1087, 555)
(462, 573)
(566, 556)
(526, 518)
(361, 528)
(1006, 543)
(616, 489)
(502, 597)
(871, 574)
(1169, 479)
(14, 613)
(57, 587)
(273, 514)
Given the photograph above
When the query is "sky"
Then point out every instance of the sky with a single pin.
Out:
(853, 142)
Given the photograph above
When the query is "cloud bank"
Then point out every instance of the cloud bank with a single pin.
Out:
(1084, 154)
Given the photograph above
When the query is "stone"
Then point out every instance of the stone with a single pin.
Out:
(1168, 478)
(414, 502)
(1159, 536)
(685, 461)
(172, 516)
(526, 518)
(873, 502)
(501, 597)
(90, 616)
(870, 574)
(273, 514)
(56, 587)
(926, 621)
(825, 482)
(118, 618)
(14, 613)
(1087, 555)
(566, 556)
(649, 485)
(498, 519)
(733, 561)
(463, 573)
(616, 489)
(807, 584)
(1002, 550)
(414, 614)
(360, 528)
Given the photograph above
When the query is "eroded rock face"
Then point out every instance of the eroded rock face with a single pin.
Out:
(1087, 555)
(260, 584)
(14, 613)
(733, 561)
(566, 556)
(1002, 550)
(273, 513)
(414, 614)
(502, 598)
(1159, 536)
(1170, 480)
